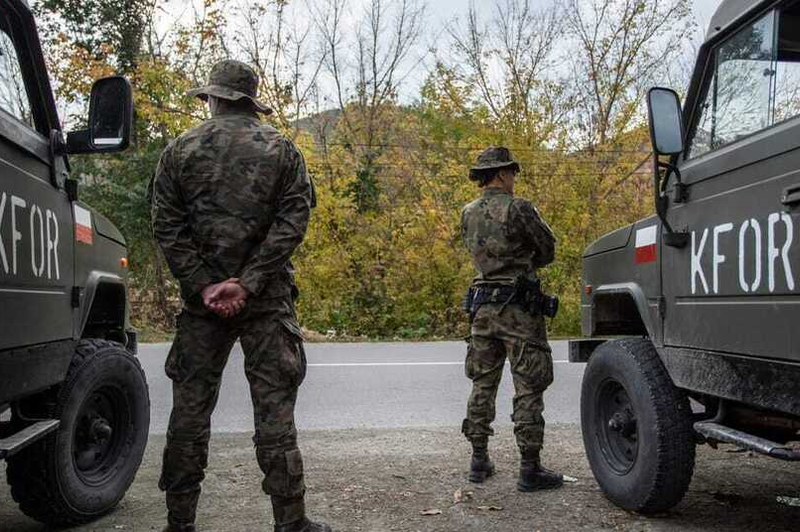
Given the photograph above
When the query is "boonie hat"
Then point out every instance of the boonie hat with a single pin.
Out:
(493, 158)
(232, 80)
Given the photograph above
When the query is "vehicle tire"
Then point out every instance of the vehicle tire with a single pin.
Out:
(637, 427)
(83, 469)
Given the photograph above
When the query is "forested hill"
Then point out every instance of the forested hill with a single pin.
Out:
(561, 86)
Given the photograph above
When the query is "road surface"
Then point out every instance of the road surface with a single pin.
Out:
(372, 385)
(367, 471)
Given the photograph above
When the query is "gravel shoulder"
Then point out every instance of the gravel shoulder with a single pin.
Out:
(380, 480)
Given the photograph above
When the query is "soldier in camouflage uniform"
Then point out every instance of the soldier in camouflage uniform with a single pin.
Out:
(508, 241)
(231, 201)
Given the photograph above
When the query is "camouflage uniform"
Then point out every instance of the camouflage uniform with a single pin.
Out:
(231, 199)
(507, 238)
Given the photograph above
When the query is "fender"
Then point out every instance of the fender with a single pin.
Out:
(94, 281)
(636, 294)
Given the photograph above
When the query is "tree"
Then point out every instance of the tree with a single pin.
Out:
(98, 26)
(624, 46)
(282, 52)
(366, 87)
(510, 60)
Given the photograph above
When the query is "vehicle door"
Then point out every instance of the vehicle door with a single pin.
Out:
(36, 229)
(735, 287)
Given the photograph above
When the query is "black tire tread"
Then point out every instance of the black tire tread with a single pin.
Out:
(675, 454)
(29, 473)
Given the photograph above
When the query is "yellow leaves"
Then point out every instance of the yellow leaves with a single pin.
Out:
(77, 69)
(161, 100)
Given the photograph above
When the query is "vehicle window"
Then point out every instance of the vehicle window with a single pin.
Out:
(737, 99)
(787, 71)
(13, 96)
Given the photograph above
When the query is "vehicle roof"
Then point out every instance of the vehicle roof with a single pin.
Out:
(729, 12)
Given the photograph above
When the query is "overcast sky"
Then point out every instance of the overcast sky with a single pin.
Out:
(443, 11)
(446, 9)
(438, 14)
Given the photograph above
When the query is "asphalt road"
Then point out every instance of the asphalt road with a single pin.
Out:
(375, 385)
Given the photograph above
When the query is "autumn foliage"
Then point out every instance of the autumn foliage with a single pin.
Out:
(389, 114)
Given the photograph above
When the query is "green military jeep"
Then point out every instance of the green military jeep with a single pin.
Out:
(692, 317)
(74, 404)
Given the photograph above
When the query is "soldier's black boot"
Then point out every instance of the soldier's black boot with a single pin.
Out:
(180, 528)
(481, 467)
(533, 477)
(290, 516)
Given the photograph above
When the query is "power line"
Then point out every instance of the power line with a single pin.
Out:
(419, 147)
(461, 176)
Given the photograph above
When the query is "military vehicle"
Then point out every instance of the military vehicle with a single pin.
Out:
(74, 404)
(691, 318)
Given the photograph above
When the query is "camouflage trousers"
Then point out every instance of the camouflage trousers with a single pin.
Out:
(275, 366)
(531, 368)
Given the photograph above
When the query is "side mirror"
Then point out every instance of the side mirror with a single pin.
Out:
(666, 121)
(110, 119)
(666, 133)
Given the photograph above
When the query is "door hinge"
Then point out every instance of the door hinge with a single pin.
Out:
(662, 307)
(71, 187)
(76, 296)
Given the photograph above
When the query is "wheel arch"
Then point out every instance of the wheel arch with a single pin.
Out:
(104, 305)
(620, 310)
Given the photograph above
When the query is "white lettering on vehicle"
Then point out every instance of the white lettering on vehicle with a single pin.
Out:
(16, 235)
(719, 259)
(2, 244)
(752, 287)
(697, 266)
(774, 252)
(36, 214)
(52, 245)
(751, 255)
(43, 238)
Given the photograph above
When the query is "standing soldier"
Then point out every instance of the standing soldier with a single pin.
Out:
(231, 203)
(508, 241)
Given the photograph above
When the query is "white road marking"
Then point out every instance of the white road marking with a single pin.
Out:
(395, 364)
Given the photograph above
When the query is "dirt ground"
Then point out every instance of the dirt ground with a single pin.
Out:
(380, 480)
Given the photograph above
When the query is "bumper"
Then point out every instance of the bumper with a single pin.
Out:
(132, 341)
(581, 350)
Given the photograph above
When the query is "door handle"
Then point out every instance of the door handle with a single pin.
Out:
(791, 195)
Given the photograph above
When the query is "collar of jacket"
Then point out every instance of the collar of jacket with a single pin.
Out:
(236, 112)
(495, 192)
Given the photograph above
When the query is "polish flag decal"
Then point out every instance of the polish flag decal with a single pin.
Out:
(83, 225)
(646, 249)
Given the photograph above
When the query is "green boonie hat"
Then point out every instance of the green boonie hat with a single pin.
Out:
(232, 80)
(493, 158)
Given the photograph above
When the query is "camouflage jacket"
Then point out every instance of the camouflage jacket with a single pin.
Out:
(506, 237)
(231, 198)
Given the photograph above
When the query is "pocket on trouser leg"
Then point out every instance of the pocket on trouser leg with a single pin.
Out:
(295, 484)
(533, 364)
(183, 466)
(174, 366)
(293, 355)
(283, 472)
(469, 362)
(165, 480)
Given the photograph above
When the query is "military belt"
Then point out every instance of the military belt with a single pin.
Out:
(480, 295)
(527, 294)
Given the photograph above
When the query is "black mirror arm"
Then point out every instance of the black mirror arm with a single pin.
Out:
(672, 238)
(79, 142)
(681, 192)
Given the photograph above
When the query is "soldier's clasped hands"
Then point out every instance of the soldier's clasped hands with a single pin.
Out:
(226, 299)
